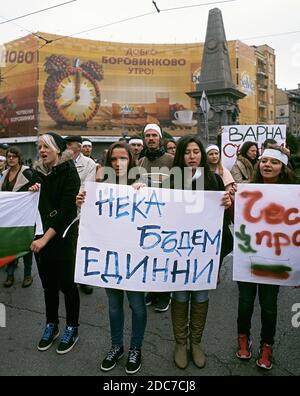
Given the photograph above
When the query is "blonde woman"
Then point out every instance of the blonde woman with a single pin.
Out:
(55, 172)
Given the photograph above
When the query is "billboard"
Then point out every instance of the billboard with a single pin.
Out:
(18, 87)
(107, 88)
(115, 86)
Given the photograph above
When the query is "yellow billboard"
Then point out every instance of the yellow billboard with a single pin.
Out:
(18, 87)
(98, 88)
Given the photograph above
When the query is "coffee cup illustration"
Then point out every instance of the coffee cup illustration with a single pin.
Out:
(184, 116)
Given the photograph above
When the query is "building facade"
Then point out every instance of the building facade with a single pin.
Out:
(288, 109)
(265, 78)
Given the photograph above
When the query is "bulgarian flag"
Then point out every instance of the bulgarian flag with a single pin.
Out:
(18, 213)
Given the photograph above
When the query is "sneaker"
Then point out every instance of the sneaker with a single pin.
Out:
(68, 340)
(162, 304)
(265, 357)
(111, 358)
(150, 298)
(27, 281)
(244, 345)
(134, 361)
(51, 332)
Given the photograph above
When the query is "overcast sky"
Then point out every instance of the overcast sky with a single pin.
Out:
(243, 20)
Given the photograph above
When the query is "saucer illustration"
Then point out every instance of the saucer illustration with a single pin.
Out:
(188, 124)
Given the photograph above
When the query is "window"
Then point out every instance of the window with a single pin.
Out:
(271, 115)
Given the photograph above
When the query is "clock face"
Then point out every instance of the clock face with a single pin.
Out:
(77, 98)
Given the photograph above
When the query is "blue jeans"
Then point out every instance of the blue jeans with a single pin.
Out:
(116, 316)
(268, 303)
(199, 296)
(10, 268)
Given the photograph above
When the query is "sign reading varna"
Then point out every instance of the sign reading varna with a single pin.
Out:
(149, 239)
(234, 136)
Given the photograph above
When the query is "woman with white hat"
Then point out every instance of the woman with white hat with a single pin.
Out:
(215, 165)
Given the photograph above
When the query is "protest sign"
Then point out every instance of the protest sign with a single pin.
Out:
(234, 136)
(149, 240)
(267, 234)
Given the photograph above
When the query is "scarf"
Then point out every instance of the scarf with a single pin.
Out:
(153, 155)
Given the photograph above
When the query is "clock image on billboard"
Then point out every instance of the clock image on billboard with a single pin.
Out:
(71, 93)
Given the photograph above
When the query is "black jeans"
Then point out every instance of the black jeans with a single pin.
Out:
(58, 275)
(268, 303)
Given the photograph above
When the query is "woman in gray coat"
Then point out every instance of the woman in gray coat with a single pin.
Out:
(243, 169)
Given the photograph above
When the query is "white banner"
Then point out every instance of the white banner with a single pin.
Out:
(267, 234)
(234, 136)
(149, 240)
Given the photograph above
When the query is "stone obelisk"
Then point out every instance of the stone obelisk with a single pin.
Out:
(216, 80)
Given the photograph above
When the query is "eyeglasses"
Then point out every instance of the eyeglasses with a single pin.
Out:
(11, 156)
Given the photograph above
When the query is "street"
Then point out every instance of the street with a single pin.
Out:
(25, 322)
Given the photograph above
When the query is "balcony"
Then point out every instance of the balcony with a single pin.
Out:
(262, 103)
(261, 71)
(262, 87)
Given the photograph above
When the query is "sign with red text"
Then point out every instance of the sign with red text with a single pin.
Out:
(267, 234)
(234, 136)
(149, 240)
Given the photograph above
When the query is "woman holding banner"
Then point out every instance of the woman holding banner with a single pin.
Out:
(120, 161)
(272, 169)
(189, 308)
(243, 169)
(55, 172)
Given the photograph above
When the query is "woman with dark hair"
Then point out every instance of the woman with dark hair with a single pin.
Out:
(120, 161)
(56, 176)
(243, 169)
(272, 169)
(17, 178)
(189, 308)
(170, 146)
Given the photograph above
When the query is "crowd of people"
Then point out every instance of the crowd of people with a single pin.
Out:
(65, 164)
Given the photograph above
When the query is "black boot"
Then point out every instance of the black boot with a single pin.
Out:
(86, 289)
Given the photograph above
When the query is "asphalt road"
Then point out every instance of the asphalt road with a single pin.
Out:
(25, 322)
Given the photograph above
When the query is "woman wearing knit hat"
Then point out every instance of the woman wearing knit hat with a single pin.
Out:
(215, 165)
(272, 169)
(55, 256)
